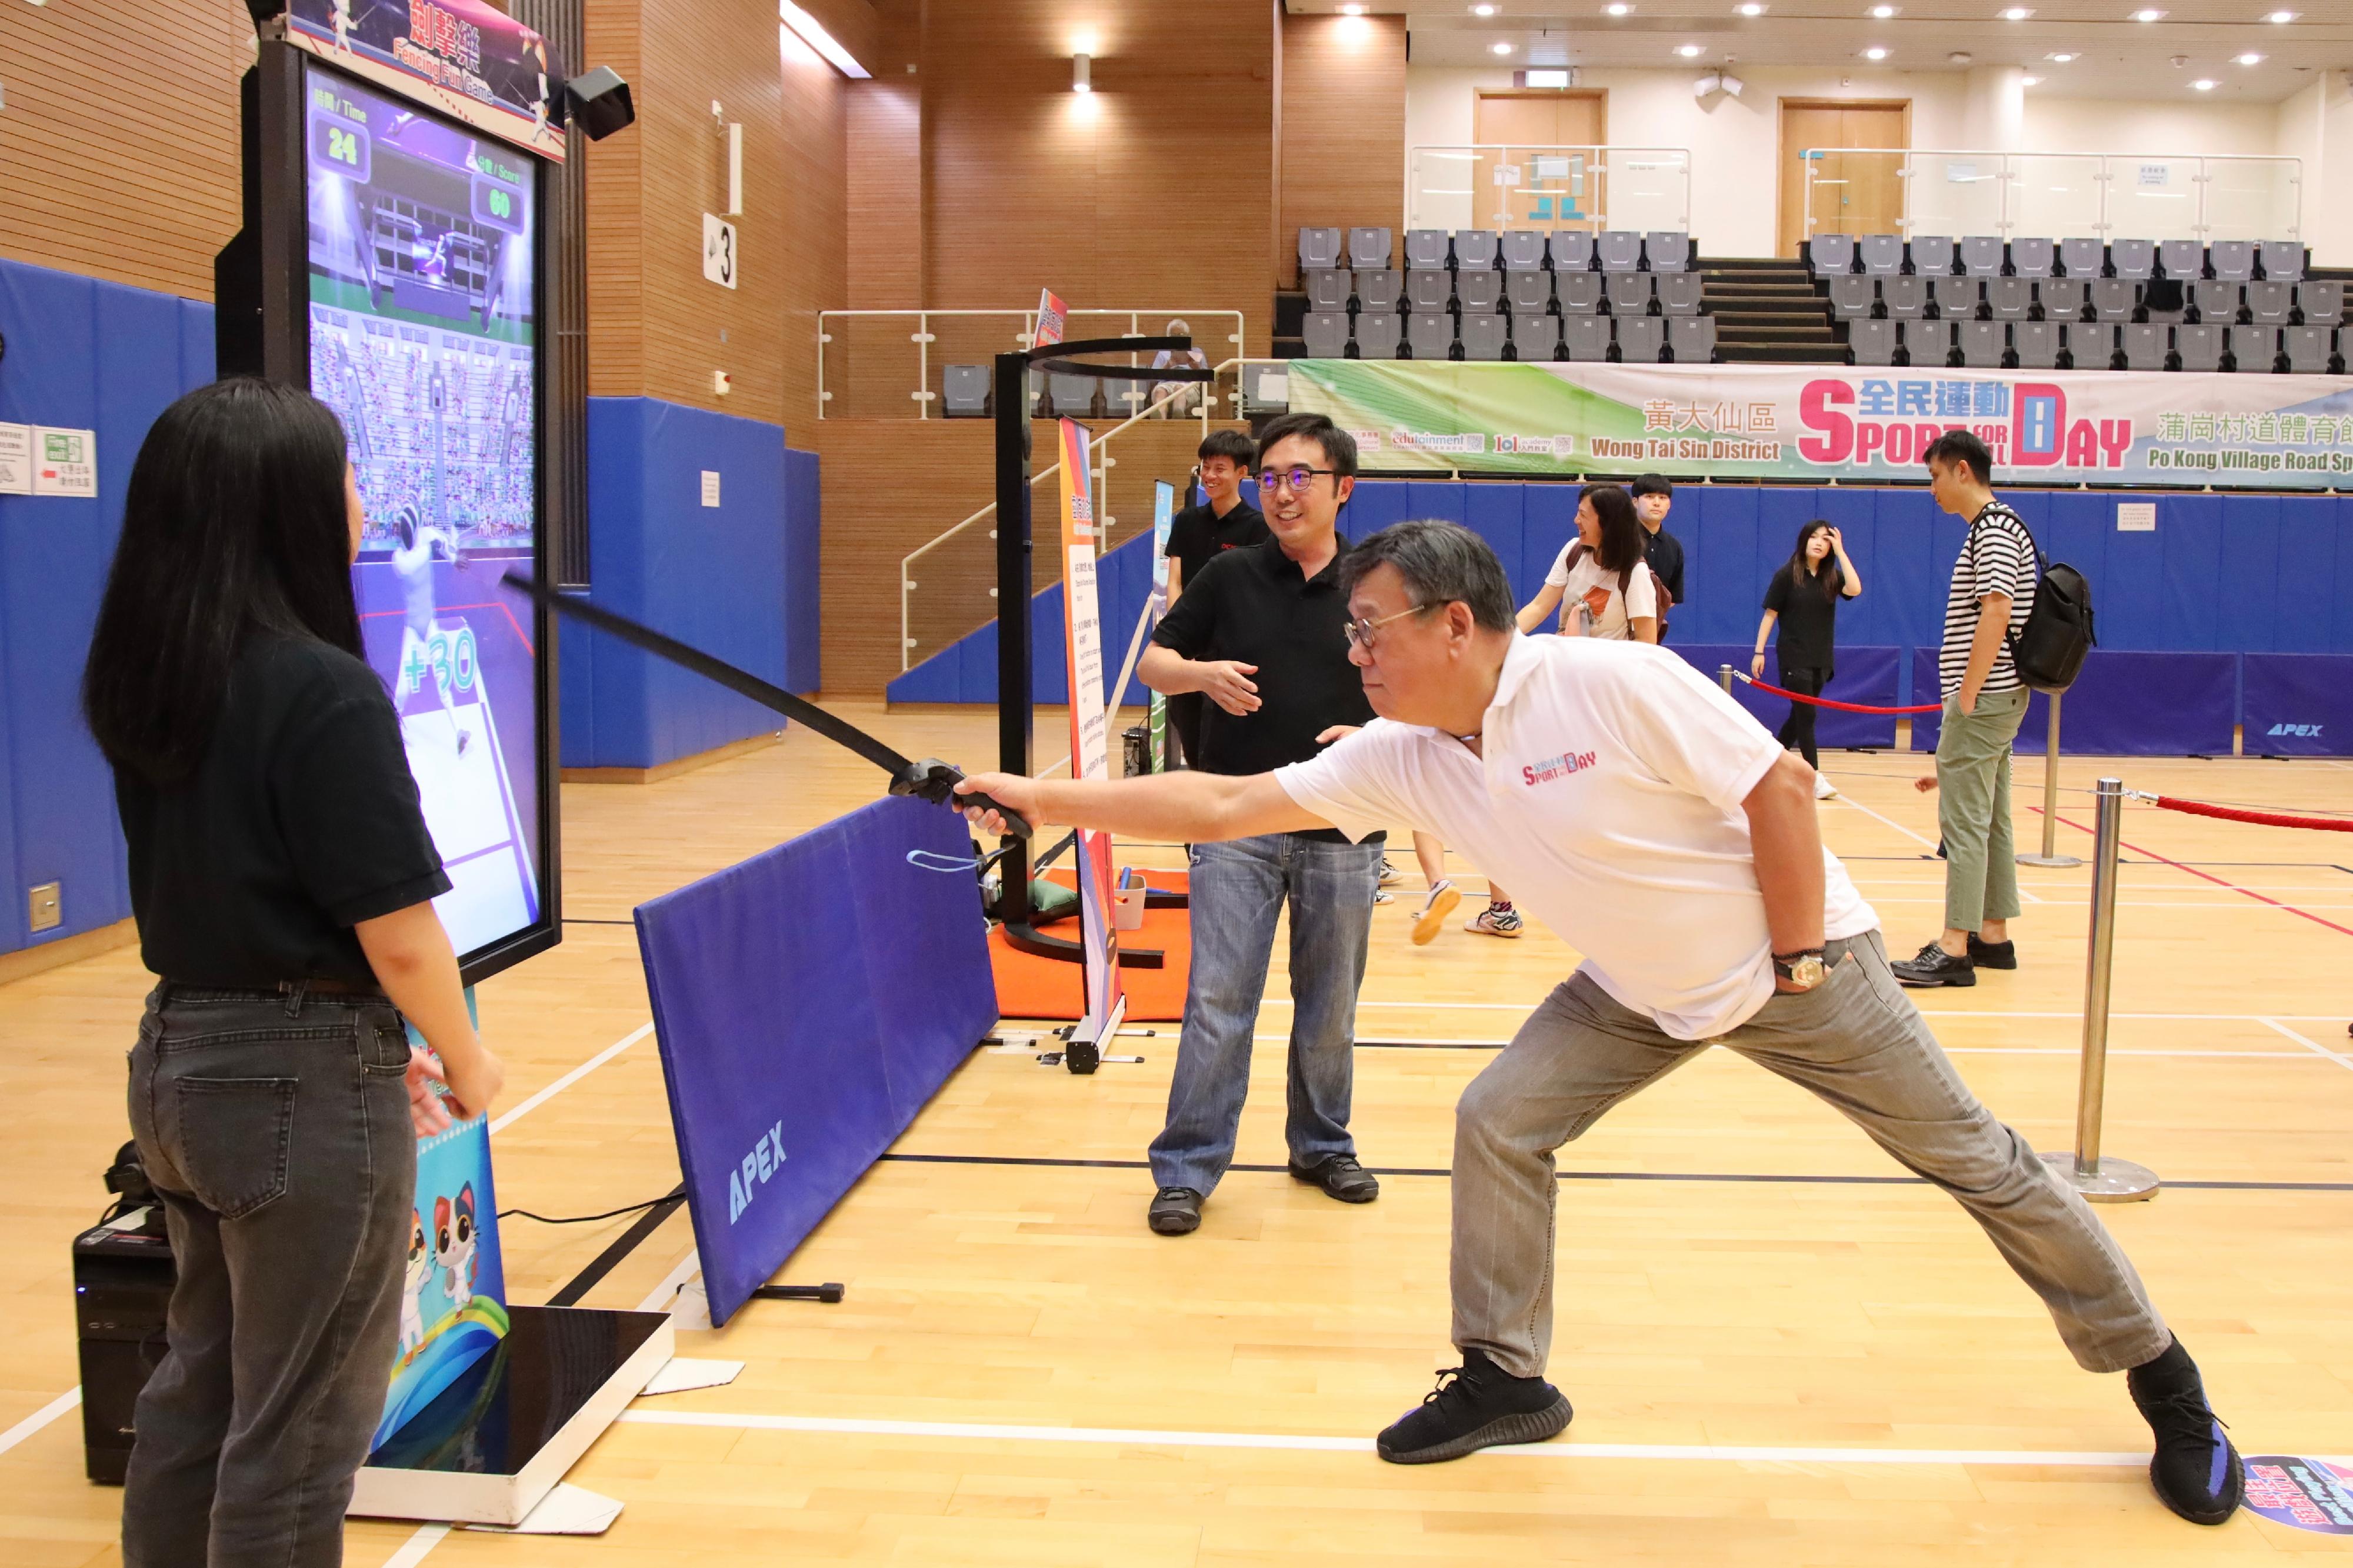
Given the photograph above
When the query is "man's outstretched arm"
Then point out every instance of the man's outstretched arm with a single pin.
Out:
(1181, 808)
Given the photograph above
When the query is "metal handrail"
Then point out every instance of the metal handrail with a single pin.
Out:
(2007, 167)
(922, 338)
(1598, 163)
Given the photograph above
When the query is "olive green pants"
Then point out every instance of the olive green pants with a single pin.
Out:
(1973, 809)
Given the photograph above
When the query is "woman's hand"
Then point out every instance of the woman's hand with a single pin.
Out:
(1757, 666)
(425, 1112)
(473, 1087)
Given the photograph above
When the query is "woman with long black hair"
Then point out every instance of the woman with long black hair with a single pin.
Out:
(1600, 580)
(283, 879)
(1804, 598)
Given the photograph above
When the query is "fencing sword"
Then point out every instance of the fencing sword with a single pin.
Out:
(929, 779)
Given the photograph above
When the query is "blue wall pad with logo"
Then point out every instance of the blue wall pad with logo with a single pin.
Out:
(808, 1001)
(738, 580)
(2297, 705)
(83, 355)
(2122, 705)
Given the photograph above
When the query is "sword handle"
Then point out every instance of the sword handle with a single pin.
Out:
(935, 781)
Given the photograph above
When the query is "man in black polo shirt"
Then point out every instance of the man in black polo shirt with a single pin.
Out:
(1226, 521)
(1261, 632)
(1662, 550)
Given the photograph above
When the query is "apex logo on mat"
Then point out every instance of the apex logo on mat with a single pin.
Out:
(744, 1183)
(2310, 732)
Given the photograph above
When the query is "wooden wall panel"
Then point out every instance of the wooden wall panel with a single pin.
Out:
(813, 146)
(615, 173)
(1343, 127)
(119, 144)
(884, 123)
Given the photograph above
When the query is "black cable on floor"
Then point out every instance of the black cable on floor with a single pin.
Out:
(583, 1218)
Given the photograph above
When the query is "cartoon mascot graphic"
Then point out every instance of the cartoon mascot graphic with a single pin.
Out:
(412, 1295)
(454, 1246)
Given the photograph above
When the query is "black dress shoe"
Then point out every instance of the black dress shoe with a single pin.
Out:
(1341, 1178)
(1175, 1211)
(1475, 1405)
(2196, 1471)
(1992, 954)
(1935, 966)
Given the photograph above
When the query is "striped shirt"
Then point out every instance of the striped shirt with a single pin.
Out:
(1998, 558)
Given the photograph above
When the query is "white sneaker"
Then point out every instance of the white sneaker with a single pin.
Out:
(1822, 788)
(1493, 921)
(1428, 918)
(1389, 874)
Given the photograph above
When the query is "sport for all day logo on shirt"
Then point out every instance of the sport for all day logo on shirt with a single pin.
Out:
(1558, 767)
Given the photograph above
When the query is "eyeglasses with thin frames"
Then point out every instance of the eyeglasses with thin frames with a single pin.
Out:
(1271, 480)
(1361, 632)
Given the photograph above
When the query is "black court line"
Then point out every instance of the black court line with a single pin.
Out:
(1052, 1163)
(582, 921)
(610, 1258)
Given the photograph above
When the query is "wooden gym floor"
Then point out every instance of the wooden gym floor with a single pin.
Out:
(1780, 1349)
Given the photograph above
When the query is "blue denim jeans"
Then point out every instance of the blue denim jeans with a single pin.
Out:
(1238, 890)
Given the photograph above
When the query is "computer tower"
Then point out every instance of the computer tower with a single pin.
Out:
(122, 1286)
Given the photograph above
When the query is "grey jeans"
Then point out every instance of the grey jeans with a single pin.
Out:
(1855, 1040)
(275, 1130)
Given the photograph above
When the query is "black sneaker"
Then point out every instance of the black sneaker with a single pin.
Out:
(2196, 1471)
(1341, 1178)
(1992, 954)
(1935, 966)
(1475, 1405)
(1175, 1211)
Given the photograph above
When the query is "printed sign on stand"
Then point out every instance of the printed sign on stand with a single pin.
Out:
(15, 459)
(1051, 314)
(65, 463)
(1090, 739)
(1164, 517)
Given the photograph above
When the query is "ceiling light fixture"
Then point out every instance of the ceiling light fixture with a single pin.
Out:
(1618, 10)
(1688, 51)
(2030, 81)
(2282, 16)
(1502, 48)
(1352, 10)
(2017, 14)
(1083, 73)
(806, 28)
(2248, 60)
(1874, 53)
(1751, 9)
(2148, 16)
(2203, 84)
(2059, 59)
(1482, 10)
(1883, 12)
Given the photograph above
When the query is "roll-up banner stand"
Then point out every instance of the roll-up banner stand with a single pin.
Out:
(1090, 743)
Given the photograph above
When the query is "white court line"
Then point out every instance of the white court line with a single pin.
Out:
(414, 1550)
(2024, 892)
(69, 1400)
(1302, 1442)
(501, 1123)
(2305, 1040)
(1953, 1051)
(1924, 1012)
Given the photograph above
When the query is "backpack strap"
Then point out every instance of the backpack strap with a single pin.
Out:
(2041, 566)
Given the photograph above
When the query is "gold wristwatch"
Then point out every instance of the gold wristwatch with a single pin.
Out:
(1804, 968)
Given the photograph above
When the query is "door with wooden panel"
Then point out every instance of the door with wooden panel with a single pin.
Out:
(1532, 186)
(1853, 192)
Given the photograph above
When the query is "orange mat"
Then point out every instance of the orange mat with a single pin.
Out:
(1028, 986)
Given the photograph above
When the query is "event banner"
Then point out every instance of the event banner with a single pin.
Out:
(1164, 517)
(466, 57)
(1090, 734)
(1812, 423)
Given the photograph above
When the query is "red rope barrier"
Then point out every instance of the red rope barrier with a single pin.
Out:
(2263, 818)
(1827, 703)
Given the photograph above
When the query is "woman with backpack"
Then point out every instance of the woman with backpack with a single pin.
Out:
(1600, 581)
(1804, 598)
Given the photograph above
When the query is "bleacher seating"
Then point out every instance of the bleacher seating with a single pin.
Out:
(1953, 298)
(1667, 251)
(1852, 299)
(2199, 346)
(1931, 256)
(1536, 337)
(2133, 259)
(2321, 300)
(2253, 349)
(1427, 249)
(1882, 255)
(1377, 334)
(1586, 338)
(1619, 251)
(1475, 249)
(1379, 290)
(2010, 298)
(1872, 342)
(1429, 289)
(2146, 344)
(2114, 299)
(1984, 344)
(1327, 289)
(2231, 260)
(1430, 336)
(2311, 350)
(1572, 251)
(1629, 293)
(1692, 339)
(2216, 301)
(2033, 258)
(1929, 342)
(1904, 297)
(1828, 255)
(1523, 250)
(1528, 293)
(1578, 293)
(2093, 344)
(2184, 258)
(964, 391)
(2280, 259)
(1479, 291)
(2062, 299)
(1327, 333)
(2038, 344)
(1642, 338)
(1368, 247)
(1319, 249)
(1680, 293)
(1483, 334)
(2269, 303)
(1981, 255)
(1074, 395)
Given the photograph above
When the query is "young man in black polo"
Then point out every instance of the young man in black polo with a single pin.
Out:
(1226, 521)
(1662, 550)
(1261, 632)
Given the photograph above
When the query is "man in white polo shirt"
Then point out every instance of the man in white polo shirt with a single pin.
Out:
(1662, 832)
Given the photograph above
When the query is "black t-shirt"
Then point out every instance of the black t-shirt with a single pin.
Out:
(1665, 552)
(300, 822)
(1197, 535)
(1808, 625)
(1254, 605)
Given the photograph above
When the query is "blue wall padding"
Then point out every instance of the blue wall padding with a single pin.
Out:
(817, 995)
(737, 580)
(81, 355)
(2122, 705)
(2297, 704)
(1864, 675)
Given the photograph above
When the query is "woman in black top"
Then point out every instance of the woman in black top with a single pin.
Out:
(282, 877)
(1804, 598)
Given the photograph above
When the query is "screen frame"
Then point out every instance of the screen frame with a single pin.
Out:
(278, 172)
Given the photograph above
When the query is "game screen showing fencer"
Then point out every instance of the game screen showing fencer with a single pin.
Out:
(422, 331)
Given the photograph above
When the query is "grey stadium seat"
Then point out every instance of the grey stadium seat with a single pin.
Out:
(2031, 258)
(2113, 299)
(1429, 288)
(1619, 250)
(1881, 254)
(1579, 292)
(1572, 251)
(1928, 342)
(2256, 349)
(2133, 259)
(1629, 293)
(1683, 293)
(1692, 339)
(1667, 251)
(1036, 393)
(2093, 344)
(1318, 247)
(2062, 299)
(1851, 297)
(1536, 337)
(2232, 260)
(1431, 336)
(1327, 289)
(1369, 247)
(2280, 258)
(2083, 258)
(1376, 334)
(1483, 335)
(1641, 339)
(2270, 303)
(1870, 342)
(1983, 344)
(1956, 299)
(1932, 255)
(1427, 248)
(2217, 299)
(1379, 289)
(1074, 395)
(2183, 258)
(2145, 345)
(2010, 298)
(2199, 344)
(1475, 249)
(1327, 333)
(1528, 293)
(1981, 255)
(1828, 255)
(1478, 290)
(1907, 298)
(1523, 250)
(964, 391)
(1586, 338)
(2311, 350)
(2322, 301)
(2037, 343)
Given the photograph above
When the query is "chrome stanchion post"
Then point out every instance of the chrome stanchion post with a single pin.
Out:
(2051, 856)
(1724, 677)
(2101, 1179)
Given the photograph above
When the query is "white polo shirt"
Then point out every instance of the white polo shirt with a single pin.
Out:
(1608, 802)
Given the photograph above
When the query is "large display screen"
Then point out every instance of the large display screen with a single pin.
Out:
(423, 332)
